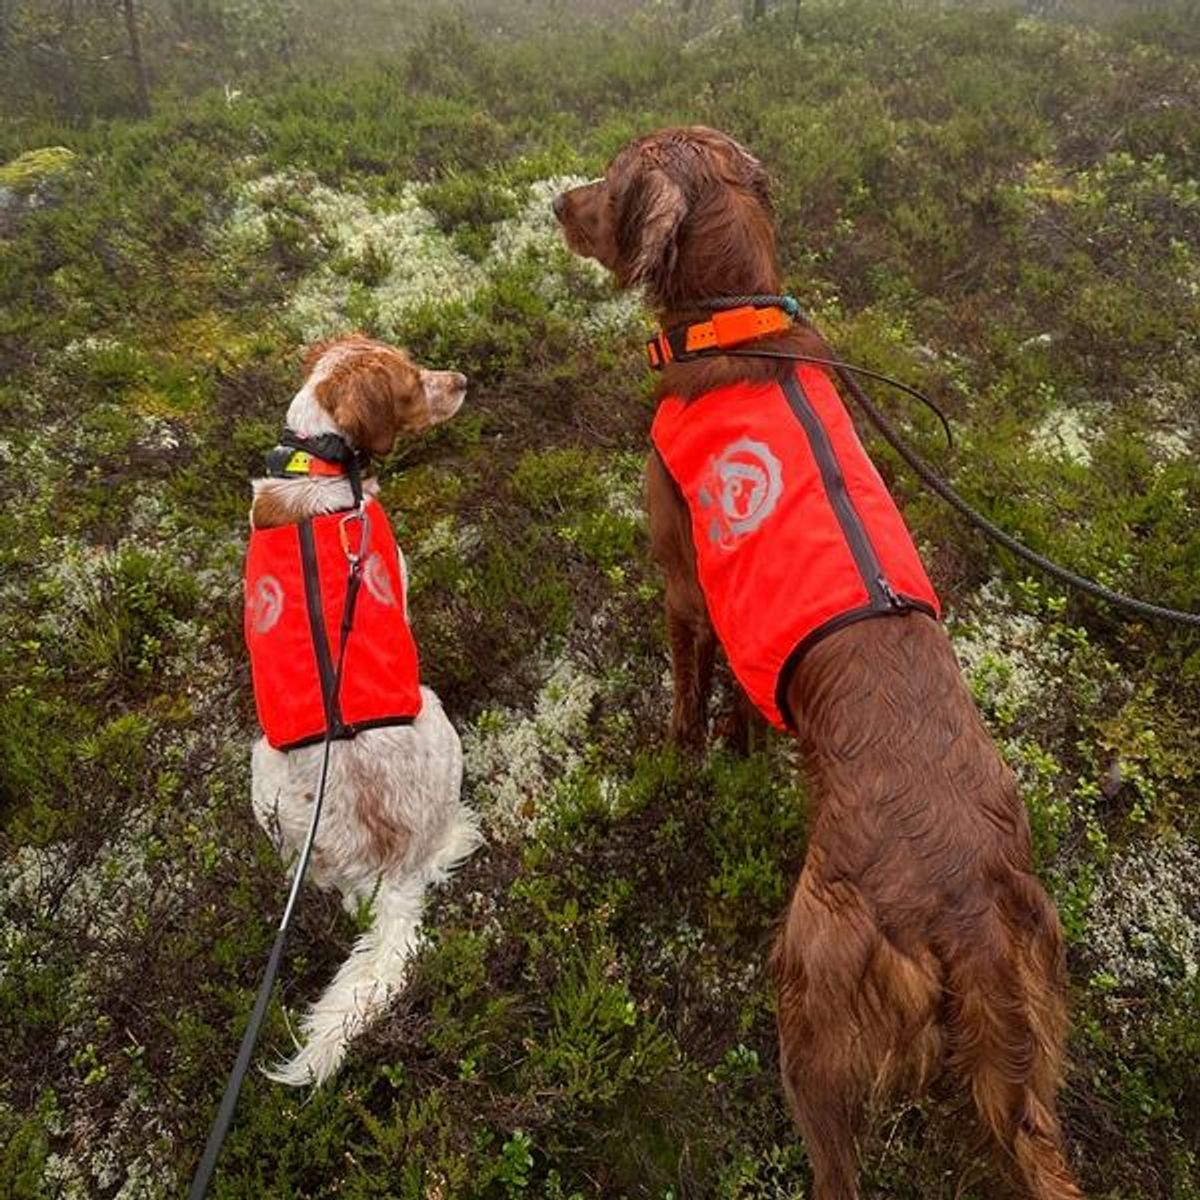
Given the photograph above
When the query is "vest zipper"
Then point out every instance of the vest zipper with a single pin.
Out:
(316, 624)
(892, 596)
(880, 591)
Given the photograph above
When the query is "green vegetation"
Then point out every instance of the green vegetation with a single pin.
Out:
(1002, 210)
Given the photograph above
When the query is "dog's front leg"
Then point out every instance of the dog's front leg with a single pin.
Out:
(692, 651)
(689, 631)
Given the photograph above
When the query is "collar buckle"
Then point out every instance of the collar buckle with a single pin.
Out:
(725, 329)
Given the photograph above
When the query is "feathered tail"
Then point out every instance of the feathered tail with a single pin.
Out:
(1008, 1021)
(376, 968)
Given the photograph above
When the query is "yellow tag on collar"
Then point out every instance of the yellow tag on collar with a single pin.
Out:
(299, 463)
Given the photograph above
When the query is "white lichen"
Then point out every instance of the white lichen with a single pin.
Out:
(85, 350)
(533, 230)
(1005, 653)
(385, 259)
(622, 477)
(1144, 918)
(395, 252)
(534, 234)
(41, 884)
(1066, 434)
(116, 1158)
(514, 759)
(1173, 417)
(64, 1178)
(447, 537)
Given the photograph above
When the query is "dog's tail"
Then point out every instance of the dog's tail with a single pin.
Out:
(376, 968)
(1007, 1023)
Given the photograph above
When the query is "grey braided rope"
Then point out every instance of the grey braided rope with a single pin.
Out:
(936, 484)
(990, 529)
(789, 304)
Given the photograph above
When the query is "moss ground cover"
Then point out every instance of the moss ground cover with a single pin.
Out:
(1000, 209)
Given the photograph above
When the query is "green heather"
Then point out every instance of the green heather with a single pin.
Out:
(1001, 208)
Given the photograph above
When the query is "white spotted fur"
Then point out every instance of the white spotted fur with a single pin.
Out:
(409, 775)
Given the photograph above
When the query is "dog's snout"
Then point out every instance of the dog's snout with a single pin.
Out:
(560, 205)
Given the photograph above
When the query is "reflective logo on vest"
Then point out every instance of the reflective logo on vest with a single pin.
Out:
(740, 490)
(378, 581)
(265, 604)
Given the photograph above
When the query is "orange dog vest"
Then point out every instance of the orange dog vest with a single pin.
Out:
(796, 534)
(295, 580)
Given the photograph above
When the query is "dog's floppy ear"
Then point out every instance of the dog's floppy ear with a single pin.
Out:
(360, 400)
(755, 175)
(650, 221)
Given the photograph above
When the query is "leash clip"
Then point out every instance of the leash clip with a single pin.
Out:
(359, 516)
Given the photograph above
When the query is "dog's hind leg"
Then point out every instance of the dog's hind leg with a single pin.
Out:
(855, 1016)
(689, 630)
(741, 727)
(693, 653)
(824, 1095)
(1007, 1023)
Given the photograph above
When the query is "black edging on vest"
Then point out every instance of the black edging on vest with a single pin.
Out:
(884, 599)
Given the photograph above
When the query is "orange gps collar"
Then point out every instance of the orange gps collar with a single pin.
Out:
(721, 332)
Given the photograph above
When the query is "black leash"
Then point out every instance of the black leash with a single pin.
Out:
(931, 479)
(840, 366)
(233, 1088)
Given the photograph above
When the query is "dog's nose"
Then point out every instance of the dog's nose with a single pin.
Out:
(560, 205)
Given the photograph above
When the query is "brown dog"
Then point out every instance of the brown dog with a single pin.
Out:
(918, 936)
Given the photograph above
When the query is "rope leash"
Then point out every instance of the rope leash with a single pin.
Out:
(932, 480)
(233, 1088)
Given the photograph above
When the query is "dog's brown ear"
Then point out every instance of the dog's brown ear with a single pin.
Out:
(755, 176)
(361, 402)
(649, 228)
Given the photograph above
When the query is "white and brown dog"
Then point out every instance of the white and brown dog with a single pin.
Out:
(392, 822)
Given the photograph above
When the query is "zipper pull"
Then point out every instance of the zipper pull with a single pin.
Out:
(890, 594)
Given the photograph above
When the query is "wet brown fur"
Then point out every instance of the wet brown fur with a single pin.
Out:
(918, 938)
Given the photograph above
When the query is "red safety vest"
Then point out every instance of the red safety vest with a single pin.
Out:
(795, 532)
(295, 582)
